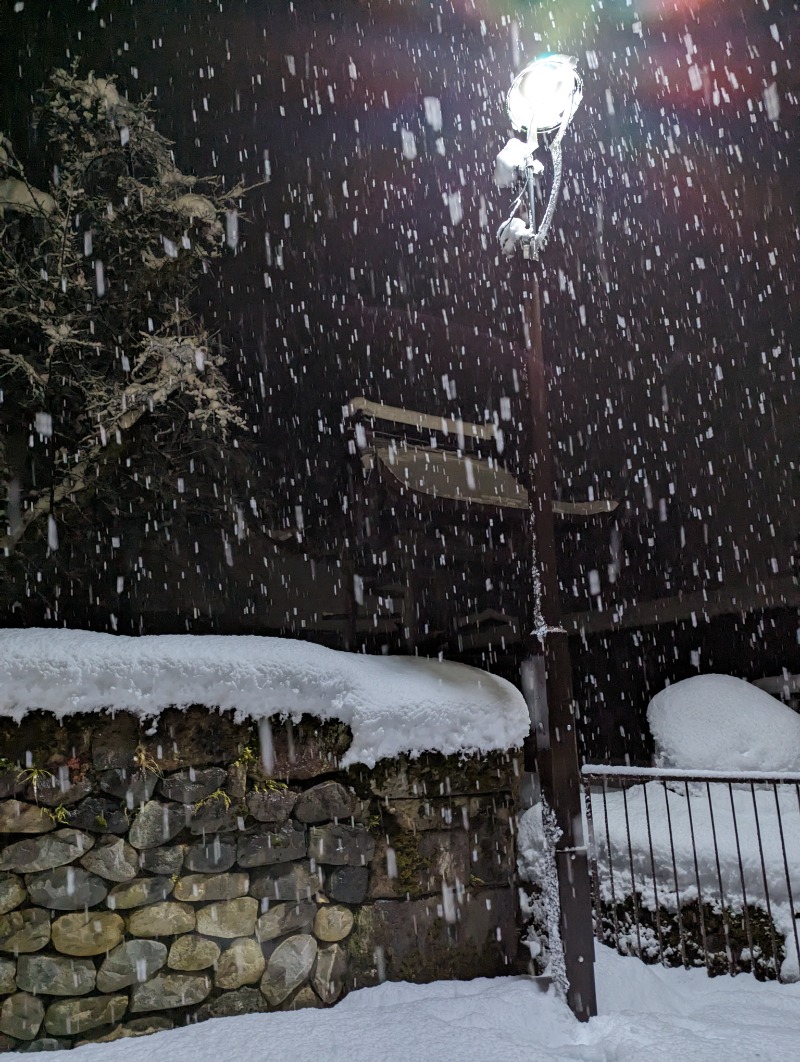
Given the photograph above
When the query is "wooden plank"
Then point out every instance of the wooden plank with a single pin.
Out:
(398, 415)
(782, 592)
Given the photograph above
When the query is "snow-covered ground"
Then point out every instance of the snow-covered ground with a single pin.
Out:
(646, 1012)
(393, 704)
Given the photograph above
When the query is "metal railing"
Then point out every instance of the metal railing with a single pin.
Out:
(697, 868)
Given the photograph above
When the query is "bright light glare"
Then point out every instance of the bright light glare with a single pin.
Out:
(542, 93)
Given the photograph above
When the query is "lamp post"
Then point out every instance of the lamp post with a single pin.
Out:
(541, 102)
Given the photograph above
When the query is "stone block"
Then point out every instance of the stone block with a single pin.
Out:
(35, 854)
(153, 1023)
(218, 815)
(8, 977)
(233, 1004)
(295, 881)
(241, 963)
(139, 893)
(87, 933)
(54, 975)
(45, 741)
(228, 919)
(156, 824)
(192, 953)
(21, 1016)
(332, 923)
(70, 1017)
(43, 1043)
(265, 847)
(192, 784)
(303, 999)
(18, 817)
(163, 860)
(324, 803)
(289, 967)
(100, 815)
(11, 785)
(348, 884)
(133, 786)
(415, 814)
(12, 892)
(166, 991)
(166, 919)
(236, 782)
(271, 805)
(67, 888)
(23, 932)
(58, 790)
(130, 963)
(202, 888)
(328, 974)
(212, 856)
(340, 845)
(283, 918)
(113, 859)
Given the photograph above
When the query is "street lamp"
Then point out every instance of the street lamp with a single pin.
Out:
(541, 103)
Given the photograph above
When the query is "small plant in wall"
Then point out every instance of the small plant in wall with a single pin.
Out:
(34, 776)
(218, 794)
(58, 814)
(270, 785)
(145, 763)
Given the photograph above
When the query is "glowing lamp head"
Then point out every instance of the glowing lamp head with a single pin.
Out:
(544, 93)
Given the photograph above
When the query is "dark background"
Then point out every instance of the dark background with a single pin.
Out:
(669, 284)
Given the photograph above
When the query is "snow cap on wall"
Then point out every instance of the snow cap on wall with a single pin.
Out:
(393, 705)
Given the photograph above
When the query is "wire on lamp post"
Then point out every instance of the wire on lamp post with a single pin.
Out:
(541, 102)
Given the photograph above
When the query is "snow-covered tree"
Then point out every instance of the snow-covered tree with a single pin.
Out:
(107, 380)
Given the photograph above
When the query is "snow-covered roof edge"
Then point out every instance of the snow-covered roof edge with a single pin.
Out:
(392, 704)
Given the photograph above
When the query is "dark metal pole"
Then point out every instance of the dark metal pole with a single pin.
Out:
(557, 749)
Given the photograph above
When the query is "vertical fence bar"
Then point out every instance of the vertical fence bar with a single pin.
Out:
(633, 875)
(733, 968)
(700, 913)
(681, 930)
(788, 877)
(745, 912)
(766, 882)
(614, 918)
(656, 901)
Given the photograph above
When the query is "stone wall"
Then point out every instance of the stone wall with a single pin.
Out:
(151, 877)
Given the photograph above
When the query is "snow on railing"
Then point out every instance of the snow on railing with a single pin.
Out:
(684, 862)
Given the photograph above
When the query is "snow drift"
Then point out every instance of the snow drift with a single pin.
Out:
(721, 723)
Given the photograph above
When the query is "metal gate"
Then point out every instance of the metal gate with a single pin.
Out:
(697, 868)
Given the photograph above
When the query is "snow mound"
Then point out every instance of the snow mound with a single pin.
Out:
(392, 704)
(717, 722)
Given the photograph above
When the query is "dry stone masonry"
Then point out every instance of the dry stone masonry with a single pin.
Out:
(156, 875)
